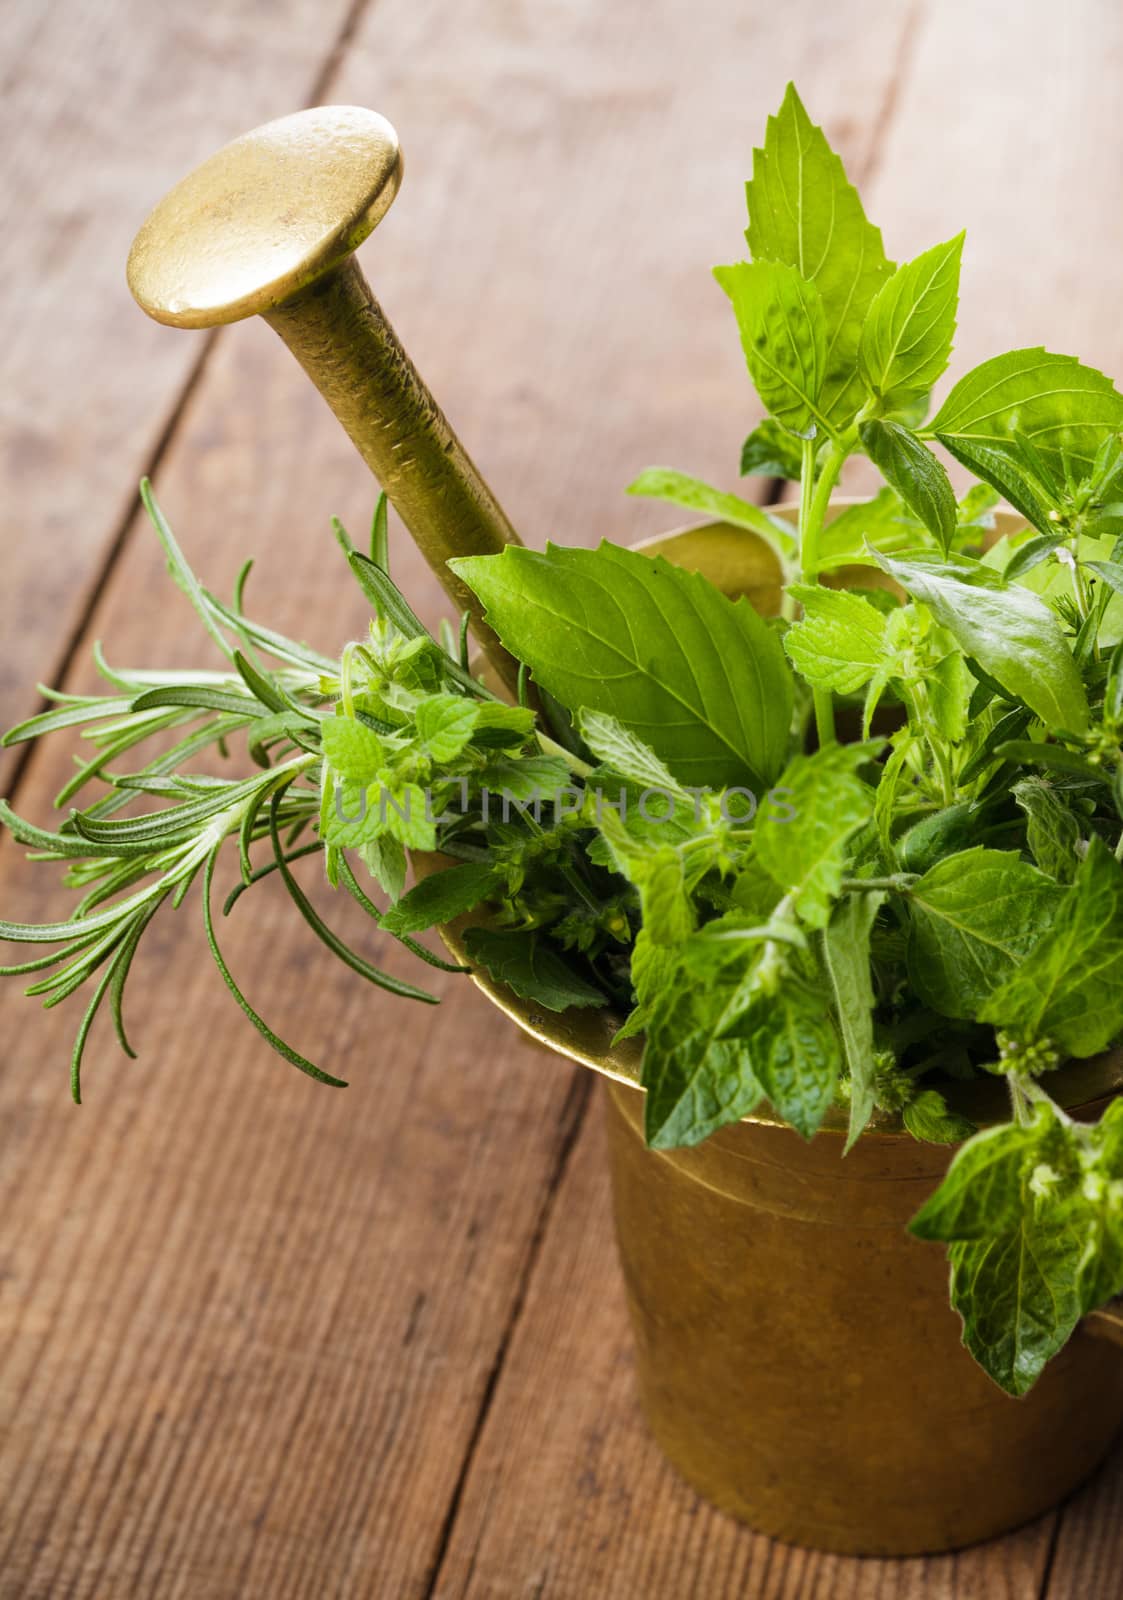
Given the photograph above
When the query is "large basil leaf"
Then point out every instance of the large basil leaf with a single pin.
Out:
(974, 916)
(1013, 635)
(699, 678)
(1064, 409)
(801, 837)
(1070, 987)
(907, 335)
(784, 337)
(803, 211)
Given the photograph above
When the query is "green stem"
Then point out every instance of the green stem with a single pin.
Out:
(898, 883)
(814, 500)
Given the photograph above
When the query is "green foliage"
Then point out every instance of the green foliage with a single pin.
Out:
(803, 212)
(698, 833)
(715, 705)
(661, 483)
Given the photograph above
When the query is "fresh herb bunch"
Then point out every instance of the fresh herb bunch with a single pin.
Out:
(836, 857)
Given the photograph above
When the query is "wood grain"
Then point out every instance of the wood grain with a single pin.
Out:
(259, 1338)
(104, 107)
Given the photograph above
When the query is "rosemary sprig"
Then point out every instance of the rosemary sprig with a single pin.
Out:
(128, 867)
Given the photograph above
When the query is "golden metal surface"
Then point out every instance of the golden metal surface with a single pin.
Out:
(265, 216)
(268, 225)
(796, 1355)
(797, 1358)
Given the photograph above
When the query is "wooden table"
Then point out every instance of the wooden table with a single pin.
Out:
(259, 1338)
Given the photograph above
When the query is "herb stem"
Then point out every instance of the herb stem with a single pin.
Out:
(814, 499)
(897, 883)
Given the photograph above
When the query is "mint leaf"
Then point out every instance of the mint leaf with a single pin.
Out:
(912, 470)
(846, 960)
(927, 1118)
(1013, 635)
(1019, 1296)
(772, 451)
(402, 810)
(696, 1081)
(1070, 987)
(353, 750)
(907, 335)
(784, 337)
(699, 678)
(440, 897)
(839, 643)
(981, 1195)
(528, 966)
(803, 211)
(444, 724)
(974, 916)
(612, 743)
(1024, 1239)
(795, 1054)
(385, 860)
(1052, 832)
(803, 845)
(661, 483)
(1065, 410)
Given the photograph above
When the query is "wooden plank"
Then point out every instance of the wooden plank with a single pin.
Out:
(103, 108)
(248, 1325)
(569, 1496)
(1089, 1549)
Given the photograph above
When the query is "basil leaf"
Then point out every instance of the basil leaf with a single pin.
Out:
(907, 334)
(1063, 408)
(772, 451)
(661, 483)
(828, 802)
(440, 897)
(846, 960)
(784, 337)
(912, 470)
(803, 211)
(839, 643)
(973, 917)
(881, 522)
(1011, 633)
(999, 464)
(699, 678)
(696, 1082)
(1070, 987)
(795, 1053)
(529, 967)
